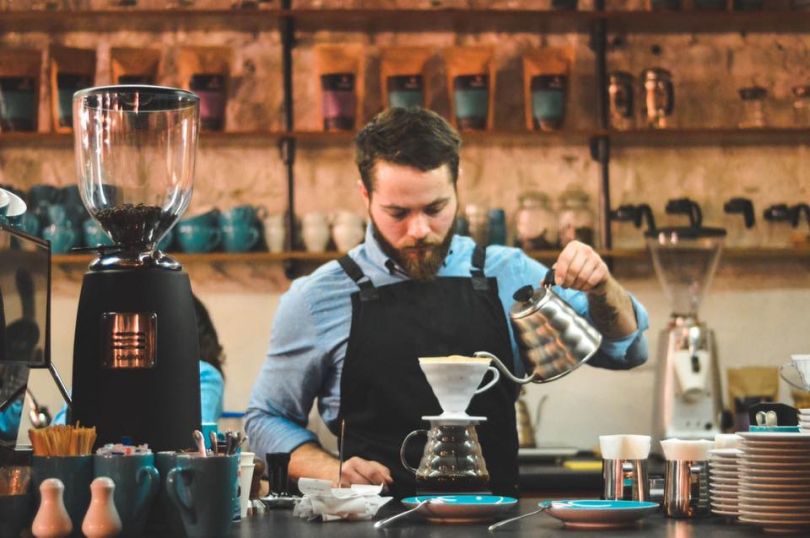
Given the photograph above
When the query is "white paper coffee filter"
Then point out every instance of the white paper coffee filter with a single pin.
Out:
(625, 447)
(686, 450)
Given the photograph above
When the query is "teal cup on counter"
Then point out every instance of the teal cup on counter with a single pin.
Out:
(164, 517)
(76, 473)
(202, 489)
(136, 485)
(198, 236)
(62, 236)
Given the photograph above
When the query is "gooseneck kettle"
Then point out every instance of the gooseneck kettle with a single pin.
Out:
(553, 340)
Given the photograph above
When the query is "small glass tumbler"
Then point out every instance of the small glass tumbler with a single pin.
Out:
(754, 106)
(801, 105)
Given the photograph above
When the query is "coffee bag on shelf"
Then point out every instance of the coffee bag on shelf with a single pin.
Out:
(403, 80)
(19, 89)
(205, 71)
(134, 65)
(71, 70)
(471, 86)
(545, 87)
(341, 72)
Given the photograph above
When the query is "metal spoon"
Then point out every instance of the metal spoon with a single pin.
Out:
(543, 507)
(383, 522)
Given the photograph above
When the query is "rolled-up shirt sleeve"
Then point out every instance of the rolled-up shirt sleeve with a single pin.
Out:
(289, 380)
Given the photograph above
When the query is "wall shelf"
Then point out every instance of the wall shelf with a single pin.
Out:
(735, 253)
(632, 138)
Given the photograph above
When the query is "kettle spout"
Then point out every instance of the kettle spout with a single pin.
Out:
(504, 370)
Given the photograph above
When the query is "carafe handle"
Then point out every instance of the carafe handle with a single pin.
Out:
(402, 449)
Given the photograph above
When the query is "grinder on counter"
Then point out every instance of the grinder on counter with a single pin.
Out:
(135, 361)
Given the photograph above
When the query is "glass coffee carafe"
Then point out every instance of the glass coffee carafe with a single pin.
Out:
(452, 461)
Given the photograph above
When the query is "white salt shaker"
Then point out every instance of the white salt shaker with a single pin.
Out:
(52, 520)
(101, 519)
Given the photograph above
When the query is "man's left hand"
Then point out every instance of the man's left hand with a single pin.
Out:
(579, 267)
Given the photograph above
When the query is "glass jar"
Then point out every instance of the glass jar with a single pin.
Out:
(535, 222)
(753, 112)
(801, 105)
(577, 220)
(478, 223)
(658, 97)
(621, 99)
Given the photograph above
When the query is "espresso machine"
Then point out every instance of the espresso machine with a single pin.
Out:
(689, 398)
(136, 357)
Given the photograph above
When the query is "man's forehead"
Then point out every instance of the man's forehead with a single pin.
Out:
(389, 172)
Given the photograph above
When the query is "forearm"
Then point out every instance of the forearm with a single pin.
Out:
(311, 461)
(611, 310)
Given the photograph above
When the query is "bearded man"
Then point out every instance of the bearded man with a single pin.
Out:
(350, 334)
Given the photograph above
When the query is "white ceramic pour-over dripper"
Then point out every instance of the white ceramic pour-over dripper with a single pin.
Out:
(625, 447)
(455, 381)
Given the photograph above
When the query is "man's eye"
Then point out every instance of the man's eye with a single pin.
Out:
(434, 210)
(398, 215)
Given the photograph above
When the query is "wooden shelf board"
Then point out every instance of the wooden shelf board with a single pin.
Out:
(711, 136)
(735, 253)
(706, 21)
(140, 19)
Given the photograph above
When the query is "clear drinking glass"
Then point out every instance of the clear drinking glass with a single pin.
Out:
(134, 150)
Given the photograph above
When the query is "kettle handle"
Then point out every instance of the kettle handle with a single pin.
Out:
(504, 370)
(402, 449)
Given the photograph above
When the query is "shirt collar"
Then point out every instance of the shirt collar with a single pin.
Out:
(380, 259)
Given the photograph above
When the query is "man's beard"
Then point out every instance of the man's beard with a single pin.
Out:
(425, 264)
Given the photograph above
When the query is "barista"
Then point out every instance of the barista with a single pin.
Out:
(350, 333)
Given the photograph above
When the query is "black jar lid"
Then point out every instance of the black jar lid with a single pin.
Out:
(752, 92)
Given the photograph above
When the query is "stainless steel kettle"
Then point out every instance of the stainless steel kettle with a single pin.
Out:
(552, 338)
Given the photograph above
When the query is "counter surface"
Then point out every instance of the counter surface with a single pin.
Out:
(282, 523)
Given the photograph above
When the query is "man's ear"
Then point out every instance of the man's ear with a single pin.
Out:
(364, 194)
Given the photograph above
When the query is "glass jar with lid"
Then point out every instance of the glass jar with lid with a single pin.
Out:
(801, 105)
(577, 220)
(535, 222)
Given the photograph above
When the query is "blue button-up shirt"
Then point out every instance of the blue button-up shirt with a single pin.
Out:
(311, 331)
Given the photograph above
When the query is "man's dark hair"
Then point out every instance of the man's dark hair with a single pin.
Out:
(414, 137)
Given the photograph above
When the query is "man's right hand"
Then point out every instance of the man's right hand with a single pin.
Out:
(311, 461)
(359, 471)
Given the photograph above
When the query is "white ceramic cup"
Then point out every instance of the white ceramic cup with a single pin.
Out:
(245, 479)
(455, 380)
(315, 231)
(274, 232)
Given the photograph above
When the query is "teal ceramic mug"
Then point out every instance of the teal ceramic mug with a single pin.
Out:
(195, 236)
(94, 234)
(164, 517)
(136, 484)
(76, 473)
(239, 237)
(202, 489)
(62, 236)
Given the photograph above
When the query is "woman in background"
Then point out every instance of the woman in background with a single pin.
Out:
(212, 382)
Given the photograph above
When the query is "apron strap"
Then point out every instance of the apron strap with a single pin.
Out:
(479, 280)
(367, 290)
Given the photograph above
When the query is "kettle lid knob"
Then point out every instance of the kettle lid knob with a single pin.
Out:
(524, 294)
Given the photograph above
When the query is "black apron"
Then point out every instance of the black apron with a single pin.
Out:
(383, 392)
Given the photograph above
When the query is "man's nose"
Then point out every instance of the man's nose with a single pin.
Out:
(418, 227)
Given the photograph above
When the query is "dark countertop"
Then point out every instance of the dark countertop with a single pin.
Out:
(282, 523)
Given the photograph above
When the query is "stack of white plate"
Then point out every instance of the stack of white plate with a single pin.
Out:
(775, 481)
(724, 481)
(804, 420)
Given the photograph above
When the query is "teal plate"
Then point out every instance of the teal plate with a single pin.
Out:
(598, 514)
(461, 508)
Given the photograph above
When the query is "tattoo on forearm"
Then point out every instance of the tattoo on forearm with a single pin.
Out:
(612, 312)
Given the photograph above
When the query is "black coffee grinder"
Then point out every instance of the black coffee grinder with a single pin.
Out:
(136, 357)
